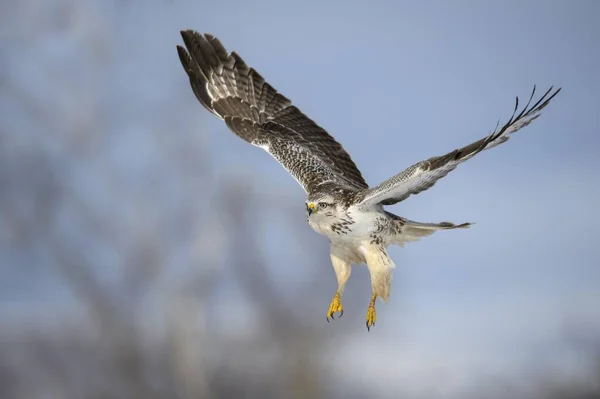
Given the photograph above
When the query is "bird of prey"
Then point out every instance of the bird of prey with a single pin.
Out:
(340, 204)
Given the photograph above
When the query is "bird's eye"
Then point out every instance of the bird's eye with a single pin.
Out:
(323, 205)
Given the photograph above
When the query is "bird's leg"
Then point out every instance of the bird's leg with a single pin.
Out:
(380, 268)
(342, 270)
(371, 314)
(335, 306)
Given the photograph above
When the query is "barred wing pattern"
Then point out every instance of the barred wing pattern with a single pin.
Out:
(423, 175)
(257, 113)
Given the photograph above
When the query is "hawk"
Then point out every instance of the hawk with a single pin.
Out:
(340, 204)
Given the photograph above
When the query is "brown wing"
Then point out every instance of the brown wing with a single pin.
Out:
(257, 113)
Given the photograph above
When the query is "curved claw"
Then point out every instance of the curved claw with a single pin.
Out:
(335, 307)
(328, 315)
(370, 325)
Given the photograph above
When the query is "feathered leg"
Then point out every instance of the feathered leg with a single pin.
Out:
(380, 268)
(342, 267)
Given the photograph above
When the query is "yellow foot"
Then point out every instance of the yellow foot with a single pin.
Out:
(335, 307)
(371, 315)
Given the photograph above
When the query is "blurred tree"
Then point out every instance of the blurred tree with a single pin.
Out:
(111, 223)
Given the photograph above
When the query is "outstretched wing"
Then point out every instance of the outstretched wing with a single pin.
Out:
(256, 112)
(422, 175)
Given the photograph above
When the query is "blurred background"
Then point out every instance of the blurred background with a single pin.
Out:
(147, 252)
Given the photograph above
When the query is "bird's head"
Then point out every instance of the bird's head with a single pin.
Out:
(321, 208)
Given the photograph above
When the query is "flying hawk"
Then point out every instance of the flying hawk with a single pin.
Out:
(340, 203)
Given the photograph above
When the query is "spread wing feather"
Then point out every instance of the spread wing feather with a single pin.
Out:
(257, 113)
(422, 175)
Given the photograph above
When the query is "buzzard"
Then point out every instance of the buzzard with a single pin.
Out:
(340, 204)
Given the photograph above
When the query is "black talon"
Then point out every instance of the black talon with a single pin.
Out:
(341, 313)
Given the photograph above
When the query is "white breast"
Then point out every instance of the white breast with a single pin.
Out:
(362, 226)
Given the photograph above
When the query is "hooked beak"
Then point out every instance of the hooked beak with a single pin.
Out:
(310, 209)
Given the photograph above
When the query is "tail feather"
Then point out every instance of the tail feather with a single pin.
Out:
(409, 230)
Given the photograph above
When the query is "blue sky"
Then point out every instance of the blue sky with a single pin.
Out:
(395, 83)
